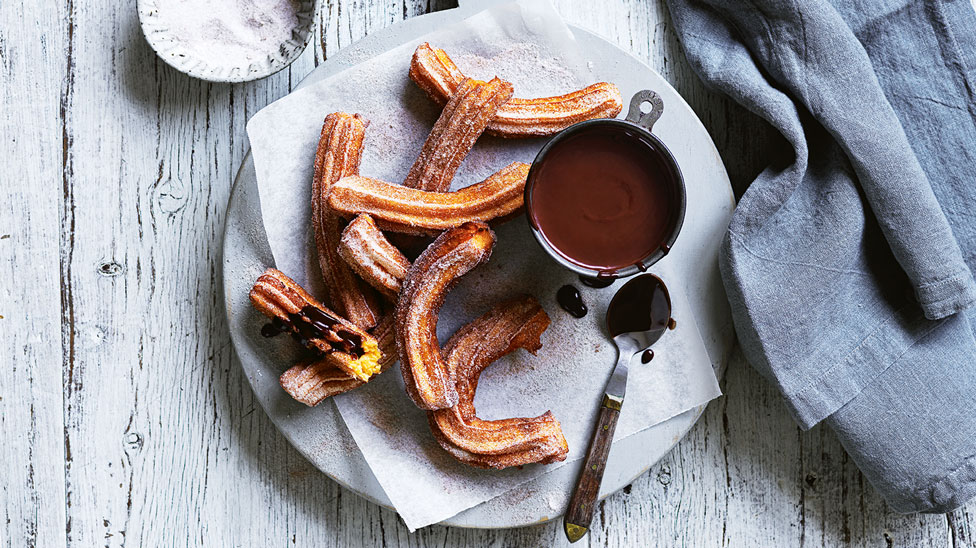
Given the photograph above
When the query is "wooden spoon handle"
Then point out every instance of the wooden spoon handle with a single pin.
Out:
(580, 511)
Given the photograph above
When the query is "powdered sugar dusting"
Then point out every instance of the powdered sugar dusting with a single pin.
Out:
(533, 71)
(370, 254)
(554, 501)
(230, 32)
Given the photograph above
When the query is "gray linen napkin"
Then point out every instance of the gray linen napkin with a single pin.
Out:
(847, 262)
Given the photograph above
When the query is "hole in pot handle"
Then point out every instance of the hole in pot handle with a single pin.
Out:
(645, 119)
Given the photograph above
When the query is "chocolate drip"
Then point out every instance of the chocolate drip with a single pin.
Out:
(570, 299)
(275, 328)
(598, 282)
(313, 323)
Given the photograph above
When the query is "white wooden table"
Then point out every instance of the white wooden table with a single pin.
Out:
(124, 419)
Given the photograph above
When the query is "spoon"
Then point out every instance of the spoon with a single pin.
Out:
(639, 313)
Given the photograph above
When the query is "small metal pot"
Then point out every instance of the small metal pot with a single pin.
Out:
(640, 125)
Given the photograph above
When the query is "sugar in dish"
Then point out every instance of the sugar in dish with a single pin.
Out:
(227, 40)
(228, 31)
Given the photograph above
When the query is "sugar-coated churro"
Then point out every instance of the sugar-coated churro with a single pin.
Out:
(401, 209)
(429, 381)
(338, 155)
(461, 122)
(510, 325)
(372, 256)
(293, 310)
(314, 380)
(432, 69)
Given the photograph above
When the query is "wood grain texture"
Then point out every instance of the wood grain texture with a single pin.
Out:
(33, 177)
(579, 512)
(125, 420)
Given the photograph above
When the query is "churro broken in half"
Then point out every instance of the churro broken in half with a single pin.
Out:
(312, 381)
(463, 119)
(518, 323)
(432, 69)
(338, 155)
(292, 309)
(400, 209)
(429, 381)
(368, 252)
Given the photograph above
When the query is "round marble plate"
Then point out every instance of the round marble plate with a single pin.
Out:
(320, 434)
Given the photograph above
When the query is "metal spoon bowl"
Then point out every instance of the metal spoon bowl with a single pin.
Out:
(638, 315)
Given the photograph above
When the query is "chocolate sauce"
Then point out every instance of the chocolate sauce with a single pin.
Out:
(642, 304)
(647, 356)
(598, 282)
(314, 323)
(605, 197)
(570, 299)
(273, 329)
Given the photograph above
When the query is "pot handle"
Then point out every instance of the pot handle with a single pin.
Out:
(647, 119)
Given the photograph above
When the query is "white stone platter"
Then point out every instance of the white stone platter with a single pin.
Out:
(319, 433)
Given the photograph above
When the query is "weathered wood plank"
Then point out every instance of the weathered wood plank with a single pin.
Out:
(35, 53)
(161, 423)
(152, 159)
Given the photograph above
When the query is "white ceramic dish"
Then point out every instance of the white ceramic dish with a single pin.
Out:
(320, 434)
(177, 54)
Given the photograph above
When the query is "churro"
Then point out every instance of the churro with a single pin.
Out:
(463, 119)
(429, 381)
(401, 209)
(314, 380)
(510, 325)
(434, 71)
(338, 155)
(293, 310)
(372, 256)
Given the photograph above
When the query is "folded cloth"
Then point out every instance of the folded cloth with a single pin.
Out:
(912, 432)
(848, 262)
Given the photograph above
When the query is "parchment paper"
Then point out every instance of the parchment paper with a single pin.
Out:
(526, 43)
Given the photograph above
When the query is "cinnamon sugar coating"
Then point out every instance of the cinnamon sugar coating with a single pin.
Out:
(434, 72)
(411, 211)
(518, 323)
(368, 252)
(429, 380)
(338, 155)
(461, 122)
